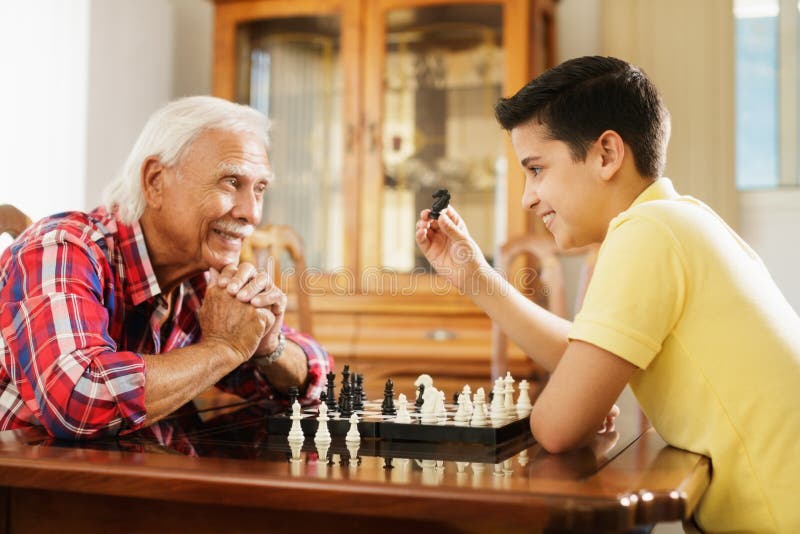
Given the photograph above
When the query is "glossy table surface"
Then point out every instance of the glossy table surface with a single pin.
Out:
(225, 457)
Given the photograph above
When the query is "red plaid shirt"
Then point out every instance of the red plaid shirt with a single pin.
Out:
(79, 305)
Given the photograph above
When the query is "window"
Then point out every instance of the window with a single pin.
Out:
(766, 56)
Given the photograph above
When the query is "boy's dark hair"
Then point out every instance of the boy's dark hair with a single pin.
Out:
(581, 98)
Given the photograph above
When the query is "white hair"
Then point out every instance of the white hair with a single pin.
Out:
(168, 133)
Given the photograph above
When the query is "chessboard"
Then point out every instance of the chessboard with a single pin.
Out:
(372, 424)
(430, 419)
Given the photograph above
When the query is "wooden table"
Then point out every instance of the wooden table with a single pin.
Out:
(219, 472)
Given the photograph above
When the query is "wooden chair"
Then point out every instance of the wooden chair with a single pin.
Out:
(547, 285)
(12, 220)
(264, 248)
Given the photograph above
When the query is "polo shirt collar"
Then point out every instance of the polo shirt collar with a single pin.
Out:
(661, 189)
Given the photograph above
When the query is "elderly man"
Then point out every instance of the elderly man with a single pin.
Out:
(113, 319)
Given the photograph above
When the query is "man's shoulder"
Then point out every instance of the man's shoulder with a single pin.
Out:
(93, 226)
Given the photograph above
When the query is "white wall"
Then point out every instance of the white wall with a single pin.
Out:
(43, 102)
(770, 222)
(143, 53)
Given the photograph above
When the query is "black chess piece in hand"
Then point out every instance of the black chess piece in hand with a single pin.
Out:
(442, 201)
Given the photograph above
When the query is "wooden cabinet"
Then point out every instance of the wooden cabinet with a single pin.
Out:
(375, 105)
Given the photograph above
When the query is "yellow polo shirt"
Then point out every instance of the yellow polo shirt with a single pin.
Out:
(678, 293)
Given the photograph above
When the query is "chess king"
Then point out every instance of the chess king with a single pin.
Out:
(678, 306)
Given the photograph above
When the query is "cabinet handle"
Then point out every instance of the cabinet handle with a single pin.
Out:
(441, 334)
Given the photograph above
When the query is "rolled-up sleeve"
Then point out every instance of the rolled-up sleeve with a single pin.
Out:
(56, 348)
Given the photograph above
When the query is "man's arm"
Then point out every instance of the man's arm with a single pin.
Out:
(231, 332)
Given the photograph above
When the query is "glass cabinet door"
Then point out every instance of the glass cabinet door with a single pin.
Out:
(443, 71)
(291, 69)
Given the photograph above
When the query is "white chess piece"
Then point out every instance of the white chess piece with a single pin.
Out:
(462, 417)
(323, 435)
(497, 411)
(440, 410)
(428, 411)
(296, 431)
(425, 380)
(352, 435)
(322, 455)
(352, 448)
(467, 392)
(478, 413)
(508, 382)
(524, 401)
(402, 410)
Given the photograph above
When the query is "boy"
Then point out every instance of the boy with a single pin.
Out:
(678, 305)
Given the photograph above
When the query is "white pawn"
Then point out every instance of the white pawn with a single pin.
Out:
(323, 435)
(524, 401)
(498, 411)
(462, 417)
(352, 434)
(511, 411)
(296, 432)
(402, 410)
(352, 448)
(440, 411)
(478, 413)
(467, 392)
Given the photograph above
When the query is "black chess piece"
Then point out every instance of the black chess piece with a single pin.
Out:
(420, 401)
(387, 408)
(358, 400)
(294, 394)
(442, 201)
(330, 394)
(387, 463)
(346, 399)
(360, 382)
(345, 381)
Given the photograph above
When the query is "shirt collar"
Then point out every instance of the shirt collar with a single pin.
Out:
(661, 189)
(139, 275)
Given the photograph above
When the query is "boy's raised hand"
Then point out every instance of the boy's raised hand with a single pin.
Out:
(448, 246)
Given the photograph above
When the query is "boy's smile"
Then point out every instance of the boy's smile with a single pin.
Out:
(575, 200)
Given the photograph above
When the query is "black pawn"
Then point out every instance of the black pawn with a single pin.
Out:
(420, 401)
(330, 395)
(294, 393)
(387, 408)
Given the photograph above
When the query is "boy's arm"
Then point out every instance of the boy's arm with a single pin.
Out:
(541, 334)
(578, 396)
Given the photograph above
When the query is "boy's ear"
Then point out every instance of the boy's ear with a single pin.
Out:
(153, 181)
(611, 149)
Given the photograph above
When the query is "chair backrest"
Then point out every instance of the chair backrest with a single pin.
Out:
(12, 220)
(548, 285)
(265, 247)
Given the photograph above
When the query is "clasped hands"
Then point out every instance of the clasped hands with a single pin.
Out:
(256, 287)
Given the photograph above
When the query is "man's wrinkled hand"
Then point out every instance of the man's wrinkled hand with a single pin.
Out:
(248, 284)
(237, 324)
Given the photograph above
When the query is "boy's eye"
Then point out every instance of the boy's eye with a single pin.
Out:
(535, 170)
